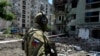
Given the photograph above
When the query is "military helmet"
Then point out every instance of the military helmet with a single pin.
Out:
(41, 19)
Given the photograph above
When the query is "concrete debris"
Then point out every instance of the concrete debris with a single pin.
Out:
(61, 55)
(69, 50)
(65, 46)
(93, 41)
(74, 46)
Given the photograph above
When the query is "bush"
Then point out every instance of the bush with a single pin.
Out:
(7, 31)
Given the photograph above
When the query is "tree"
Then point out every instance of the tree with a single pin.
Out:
(4, 13)
(67, 15)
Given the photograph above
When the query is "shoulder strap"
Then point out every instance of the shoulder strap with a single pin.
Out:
(27, 34)
(44, 37)
(26, 39)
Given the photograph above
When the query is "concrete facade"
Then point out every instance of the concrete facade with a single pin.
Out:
(86, 14)
(59, 11)
(22, 9)
(4, 24)
(87, 17)
(25, 11)
(60, 17)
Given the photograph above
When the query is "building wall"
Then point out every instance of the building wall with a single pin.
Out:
(25, 11)
(59, 11)
(4, 24)
(28, 13)
(22, 10)
(16, 8)
(79, 18)
(32, 7)
(80, 12)
(60, 17)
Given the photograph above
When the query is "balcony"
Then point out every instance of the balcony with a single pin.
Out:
(92, 1)
(93, 5)
(58, 22)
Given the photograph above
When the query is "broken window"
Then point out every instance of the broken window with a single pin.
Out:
(90, 1)
(24, 2)
(62, 18)
(23, 25)
(92, 13)
(61, 8)
(74, 3)
(73, 28)
(87, 19)
(23, 11)
(93, 5)
(60, 4)
(24, 6)
(23, 20)
(74, 16)
(92, 16)
(96, 33)
(94, 19)
(23, 16)
(59, 18)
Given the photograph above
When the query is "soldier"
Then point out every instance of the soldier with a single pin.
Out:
(36, 43)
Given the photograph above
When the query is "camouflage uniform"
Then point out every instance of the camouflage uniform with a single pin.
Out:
(38, 48)
(34, 46)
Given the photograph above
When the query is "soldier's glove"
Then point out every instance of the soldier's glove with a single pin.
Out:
(52, 51)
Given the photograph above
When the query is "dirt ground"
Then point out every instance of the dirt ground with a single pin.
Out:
(63, 47)
(14, 49)
(11, 49)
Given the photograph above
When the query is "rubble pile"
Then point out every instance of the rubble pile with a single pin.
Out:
(94, 44)
(85, 44)
(71, 50)
(65, 46)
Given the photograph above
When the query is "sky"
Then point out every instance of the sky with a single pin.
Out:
(50, 1)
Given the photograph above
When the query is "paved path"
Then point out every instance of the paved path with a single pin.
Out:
(10, 41)
(11, 48)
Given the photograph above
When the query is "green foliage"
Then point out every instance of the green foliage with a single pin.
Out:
(9, 16)
(4, 13)
(7, 31)
(49, 27)
(68, 14)
(4, 3)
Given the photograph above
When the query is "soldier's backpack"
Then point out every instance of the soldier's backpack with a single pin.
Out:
(48, 46)
(26, 39)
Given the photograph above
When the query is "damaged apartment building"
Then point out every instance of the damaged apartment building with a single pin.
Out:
(85, 18)
(59, 11)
